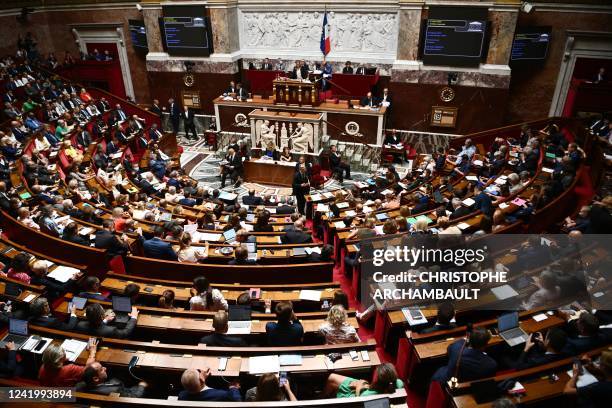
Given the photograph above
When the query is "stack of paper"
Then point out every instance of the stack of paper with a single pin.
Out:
(314, 295)
(73, 348)
(504, 292)
(322, 207)
(63, 273)
(463, 226)
(468, 202)
(312, 250)
(290, 360)
(264, 364)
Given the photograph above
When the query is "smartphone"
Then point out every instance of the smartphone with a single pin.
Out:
(282, 378)
(40, 345)
(578, 363)
(354, 355)
(365, 355)
(222, 363)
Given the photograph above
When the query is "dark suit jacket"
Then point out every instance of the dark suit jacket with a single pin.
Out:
(223, 340)
(158, 249)
(285, 209)
(107, 240)
(579, 345)
(438, 327)
(55, 323)
(298, 180)
(156, 109)
(536, 357)
(284, 335)
(188, 116)
(296, 237)
(460, 212)
(474, 364)
(347, 70)
(236, 162)
(211, 394)
(107, 330)
(112, 386)
(304, 71)
(369, 101)
(252, 200)
(360, 71)
(483, 203)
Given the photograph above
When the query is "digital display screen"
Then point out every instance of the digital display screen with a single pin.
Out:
(455, 36)
(530, 43)
(138, 34)
(186, 30)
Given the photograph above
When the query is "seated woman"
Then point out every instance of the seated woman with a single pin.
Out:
(336, 330)
(286, 155)
(187, 253)
(41, 143)
(385, 382)
(269, 388)
(203, 297)
(270, 152)
(19, 268)
(54, 371)
(85, 96)
(263, 223)
(71, 152)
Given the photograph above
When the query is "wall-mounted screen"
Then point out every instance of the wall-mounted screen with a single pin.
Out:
(455, 36)
(138, 33)
(530, 43)
(186, 31)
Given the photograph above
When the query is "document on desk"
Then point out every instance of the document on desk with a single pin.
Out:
(139, 214)
(342, 205)
(290, 359)
(264, 364)
(73, 348)
(190, 228)
(463, 226)
(307, 294)
(471, 178)
(468, 202)
(224, 195)
(584, 379)
(504, 292)
(207, 236)
(322, 207)
(313, 250)
(63, 273)
(316, 197)
(339, 224)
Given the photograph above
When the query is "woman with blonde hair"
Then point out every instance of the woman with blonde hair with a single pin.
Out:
(420, 226)
(188, 253)
(336, 329)
(54, 372)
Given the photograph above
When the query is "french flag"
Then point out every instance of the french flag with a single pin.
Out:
(325, 39)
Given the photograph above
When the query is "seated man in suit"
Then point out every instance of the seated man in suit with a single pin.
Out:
(40, 315)
(241, 257)
(231, 89)
(95, 380)
(220, 338)
(233, 167)
(540, 350)
(392, 138)
(348, 68)
(296, 235)
(285, 206)
(98, 323)
(589, 335)
(337, 165)
(241, 92)
(467, 360)
(195, 388)
(156, 248)
(446, 313)
(482, 201)
(91, 287)
(369, 101)
(459, 210)
(252, 199)
(106, 239)
(288, 330)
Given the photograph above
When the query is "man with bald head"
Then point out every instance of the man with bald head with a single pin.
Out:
(195, 388)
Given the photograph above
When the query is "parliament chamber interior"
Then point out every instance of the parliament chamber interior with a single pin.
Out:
(267, 203)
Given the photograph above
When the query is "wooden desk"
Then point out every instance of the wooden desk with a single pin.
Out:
(337, 116)
(269, 172)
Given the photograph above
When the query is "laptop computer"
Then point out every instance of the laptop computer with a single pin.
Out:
(239, 319)
(122, 306)
(509, 329)
(17, 333)
(230, 235)
(377, 403)
(12, 289)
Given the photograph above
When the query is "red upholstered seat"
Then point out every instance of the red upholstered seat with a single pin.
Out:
(437, 397)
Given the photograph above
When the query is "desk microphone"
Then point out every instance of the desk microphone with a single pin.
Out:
(131, 365)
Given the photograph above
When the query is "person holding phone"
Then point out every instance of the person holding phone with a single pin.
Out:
(271, 388)
(541, 350)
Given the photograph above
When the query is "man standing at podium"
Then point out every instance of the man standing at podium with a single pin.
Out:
(301, 187)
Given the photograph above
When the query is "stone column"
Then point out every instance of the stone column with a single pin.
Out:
(409, 29)
(151, 13)
(224, 22)
(503, 24)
